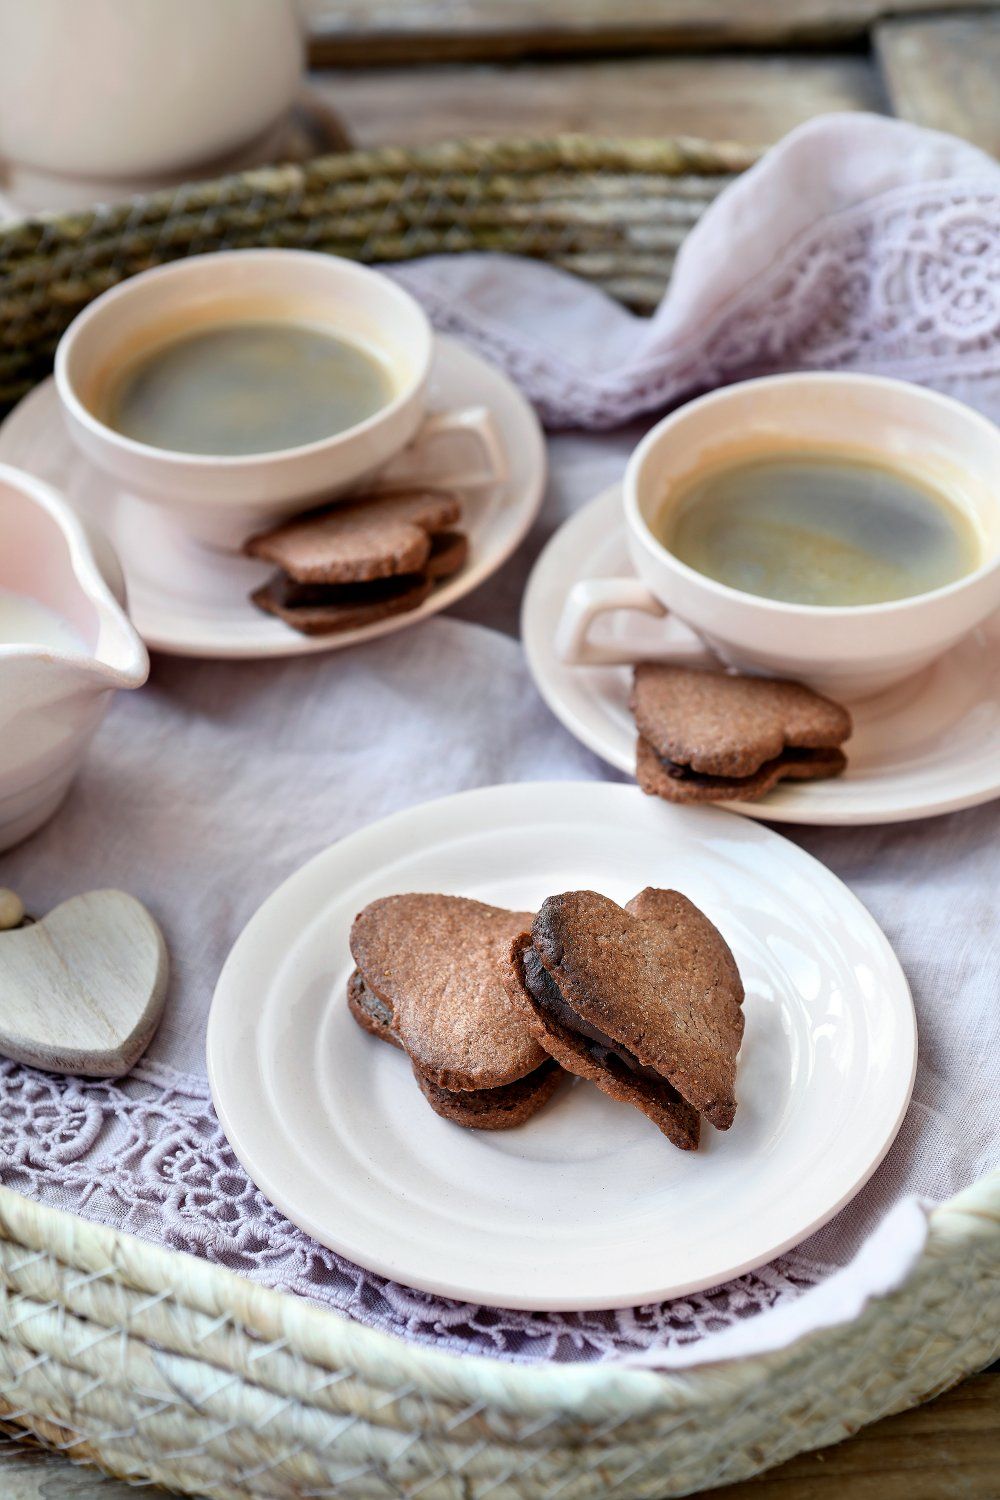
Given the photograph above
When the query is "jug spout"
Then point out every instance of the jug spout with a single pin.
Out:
(66, 645)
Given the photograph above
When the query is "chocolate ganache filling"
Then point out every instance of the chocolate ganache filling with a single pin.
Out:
(291, 595)
(502, 1095)
(368, 1000)
(602, 1048)
(680, 772)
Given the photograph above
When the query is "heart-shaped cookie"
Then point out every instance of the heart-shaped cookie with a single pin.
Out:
(82, 989)
(359, 561)
(428, 980)
(645, 1001)
(356, 541)
(709, 736)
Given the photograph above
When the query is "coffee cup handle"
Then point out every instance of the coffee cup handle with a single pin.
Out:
(416, 465)
(476, 422)
(597, 596)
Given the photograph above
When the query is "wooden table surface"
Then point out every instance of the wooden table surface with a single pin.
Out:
(744, 70)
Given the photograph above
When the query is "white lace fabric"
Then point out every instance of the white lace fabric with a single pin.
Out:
(857, 244)
(150, 1157)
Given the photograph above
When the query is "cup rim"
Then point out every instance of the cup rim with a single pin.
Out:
(171, 457)
(724, 591)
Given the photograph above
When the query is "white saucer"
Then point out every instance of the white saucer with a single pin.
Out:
(190, 601)
(929, 746)
(587, 1205)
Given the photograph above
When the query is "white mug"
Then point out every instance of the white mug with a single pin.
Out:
(850, 651)
(106, 91)
(221, 500)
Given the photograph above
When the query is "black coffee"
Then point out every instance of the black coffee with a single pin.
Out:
(815, 528)
(247, 388)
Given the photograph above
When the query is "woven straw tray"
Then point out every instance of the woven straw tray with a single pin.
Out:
(158, 1366)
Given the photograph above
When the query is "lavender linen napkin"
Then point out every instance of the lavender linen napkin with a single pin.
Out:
(857, 243)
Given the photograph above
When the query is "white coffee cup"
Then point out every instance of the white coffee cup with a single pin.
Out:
(850, 651)
(221, 500)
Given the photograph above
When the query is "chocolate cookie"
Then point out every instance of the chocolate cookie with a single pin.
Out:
(319, 610)
(449, 553)
(496, 1108)
(645, 1001)
(355, 541)
(708, 736)
(428, 981)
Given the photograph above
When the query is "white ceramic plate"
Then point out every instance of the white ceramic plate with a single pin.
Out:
(190, 601)
(587, 1205)
(929, 746)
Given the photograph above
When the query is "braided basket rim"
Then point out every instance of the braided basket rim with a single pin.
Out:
(577, 150)
(970, 1221)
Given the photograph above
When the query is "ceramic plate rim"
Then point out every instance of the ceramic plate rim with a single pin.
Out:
(289, 892)
(529, 497)
(794, 807)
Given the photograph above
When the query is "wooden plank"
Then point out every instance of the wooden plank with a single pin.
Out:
(30, 1473)
(753, 100)
(360, 32)
(950, 1447)
(945, 72)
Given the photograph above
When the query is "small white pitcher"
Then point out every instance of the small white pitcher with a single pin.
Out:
(51, 699)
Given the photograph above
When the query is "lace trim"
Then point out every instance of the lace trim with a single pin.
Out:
(148, 1156)
(907, 284)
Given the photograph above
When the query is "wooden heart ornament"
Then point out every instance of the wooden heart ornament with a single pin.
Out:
(82, 989)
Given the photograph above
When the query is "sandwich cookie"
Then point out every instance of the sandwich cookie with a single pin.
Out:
(708, 736)
(351, 564)
(428, 980)
(645, 1001)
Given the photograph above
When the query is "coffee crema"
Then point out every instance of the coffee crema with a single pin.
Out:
(818, 528)
(247, 387)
